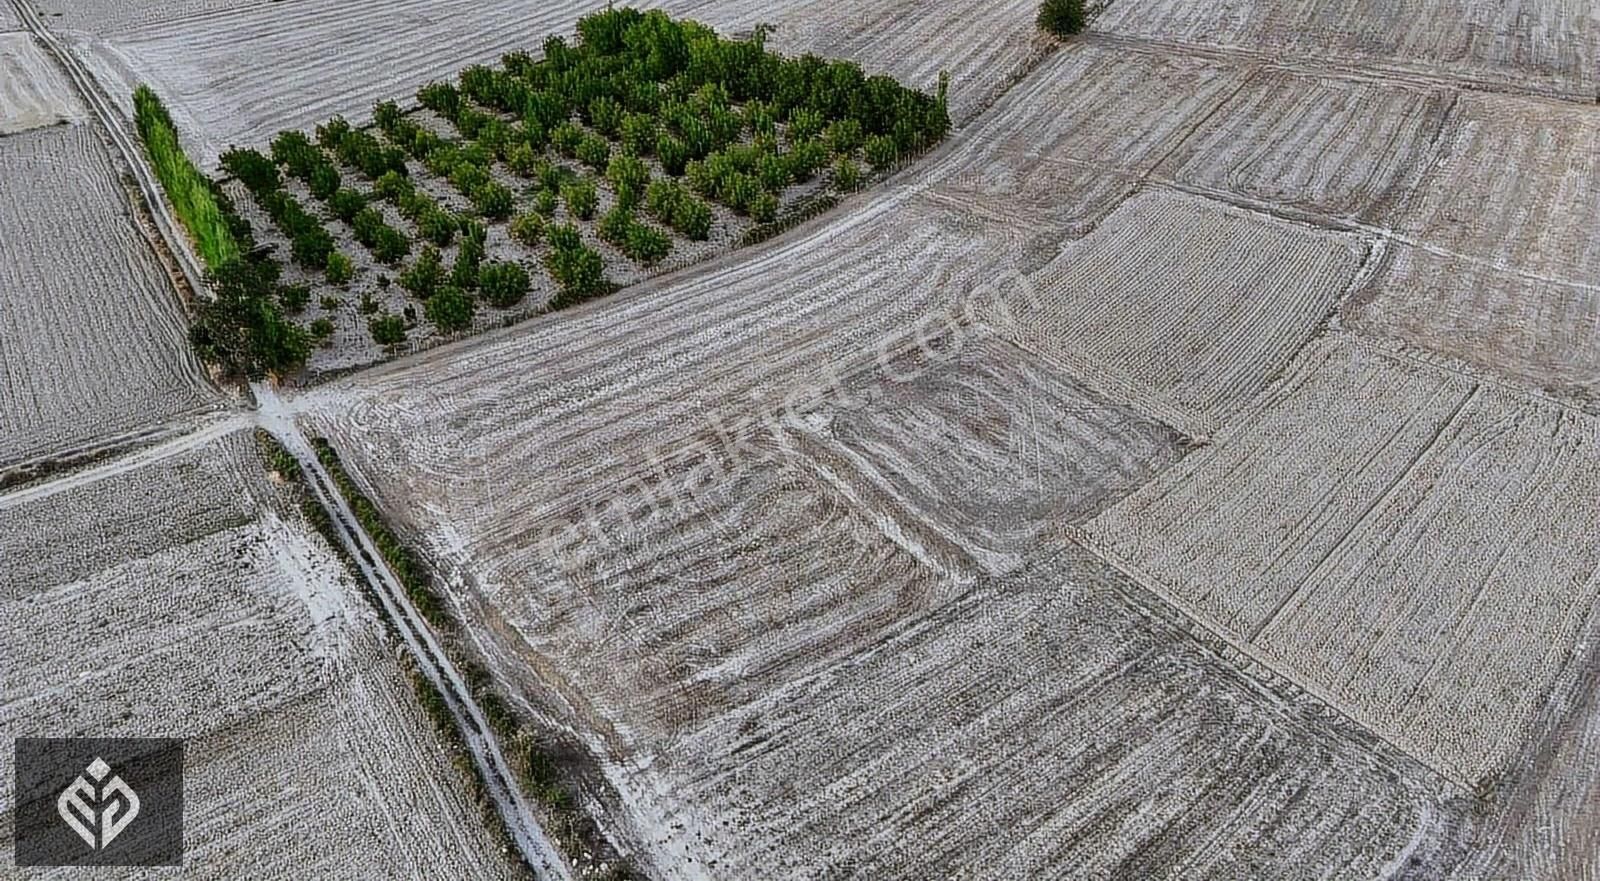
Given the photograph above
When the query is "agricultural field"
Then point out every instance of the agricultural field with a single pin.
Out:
(1513, 290)
(33, 91)
(984, 443)
(1169, 453)
(91, 332)
(199, 606)
(714, 710)
(1340, 533)
(1344, 149)
(1183, 306)
(1543, 46)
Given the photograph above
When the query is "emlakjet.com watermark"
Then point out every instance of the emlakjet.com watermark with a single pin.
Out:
(98, 801)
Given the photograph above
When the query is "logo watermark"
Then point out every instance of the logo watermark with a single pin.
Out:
(86, 801)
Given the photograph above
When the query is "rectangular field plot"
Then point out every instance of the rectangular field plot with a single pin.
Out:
(1341, 147)
(33, 90)
(1415, 547)
(1072, 139)
(776, 682)
(984, 443)
(1182, 306)
(1516, 288)
(181, 598)
(1547, 46)
(93, 345)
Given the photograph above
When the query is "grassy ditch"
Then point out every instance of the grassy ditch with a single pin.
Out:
(279, 462)
(537, 760)
(191, 192)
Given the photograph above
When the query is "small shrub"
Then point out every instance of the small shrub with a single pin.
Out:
(580, 198)
(322, 331)
(493, 201)
(424, 275)
(594, 151)
(1062, 17)
(646, 244)
(882, 152)
(450, 309)
(339, 269)
(764, 207)
(846, 174)
(545, 203)
(528, 228)
(639, 134)
(387, 329)
(294, 297)
(503, 284)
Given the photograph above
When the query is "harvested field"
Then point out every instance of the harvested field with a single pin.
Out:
(1067, 144)
(646, 369)
(109, 18)
(296, 720)
(1515, 289)
(1342, 148)
(1340, 533)
(716, 711)
(93, 345)
(1547, 46)
(983, 443)
(1183, 306)
(33, 90)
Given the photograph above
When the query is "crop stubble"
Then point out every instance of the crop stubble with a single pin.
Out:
(183, 598)
(92, 340)
(1414, 545)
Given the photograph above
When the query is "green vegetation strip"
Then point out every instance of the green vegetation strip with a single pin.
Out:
(189, 190)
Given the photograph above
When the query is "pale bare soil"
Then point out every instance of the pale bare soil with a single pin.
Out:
(979, 611)
(33, 91)
(93, 344)
(1183, 306)
(1515, 289)
(1548, 46)
(184, 598)
(1341, 533)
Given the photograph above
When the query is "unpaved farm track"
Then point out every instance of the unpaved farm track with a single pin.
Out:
(419, 640)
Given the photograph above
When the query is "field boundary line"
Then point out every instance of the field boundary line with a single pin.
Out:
(162, 448)
(1198, 618)
(1364, 519)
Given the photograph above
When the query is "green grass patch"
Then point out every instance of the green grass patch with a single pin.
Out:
(190, 191)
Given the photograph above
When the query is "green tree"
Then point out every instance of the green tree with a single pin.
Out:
(1062, 17)
(580, 197)
(503, 284)
(241, 328)
(387, 329)
(339, 269)
(450, 309)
